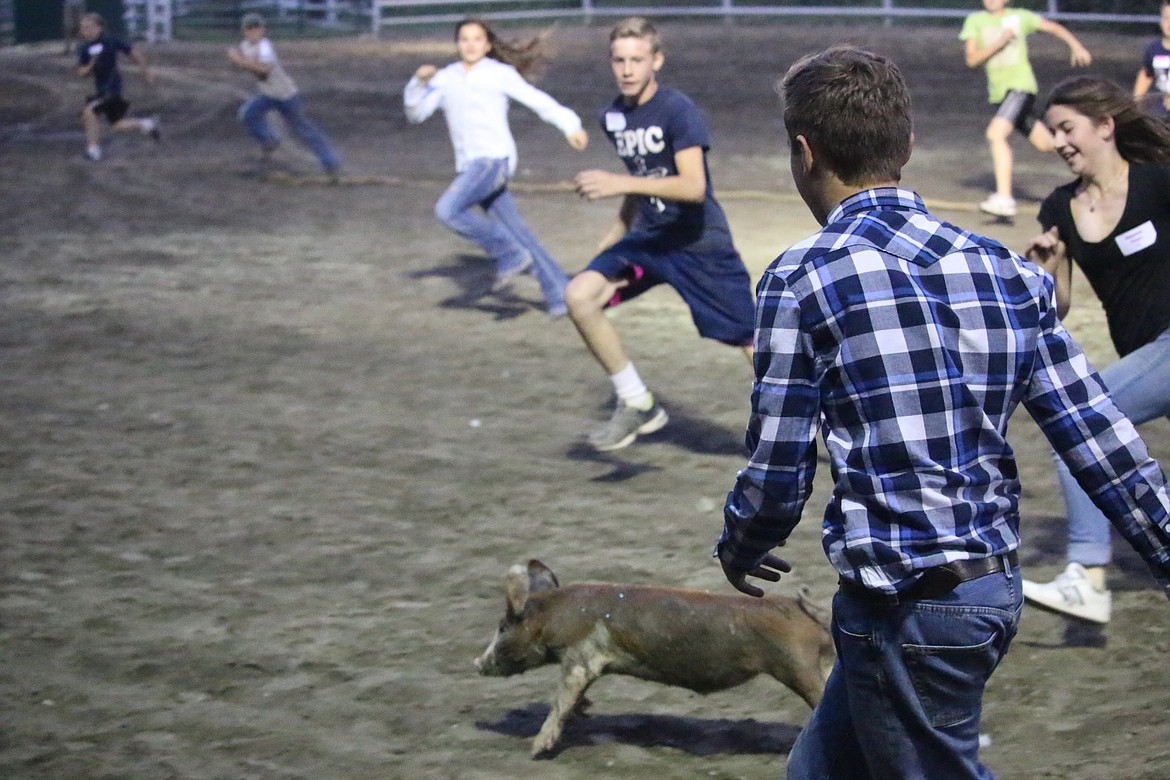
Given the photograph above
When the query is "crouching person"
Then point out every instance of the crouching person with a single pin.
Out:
(909, 343)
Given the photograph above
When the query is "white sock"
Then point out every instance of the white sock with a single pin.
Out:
(630, 389)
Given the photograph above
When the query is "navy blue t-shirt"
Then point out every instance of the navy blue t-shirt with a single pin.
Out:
(104, 53)
(646, 138)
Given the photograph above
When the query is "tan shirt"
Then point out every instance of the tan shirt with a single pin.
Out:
(277, 83)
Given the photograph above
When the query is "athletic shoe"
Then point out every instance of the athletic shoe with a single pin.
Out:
(625, 425)
(1071, 593)
(93, 153)
(999, 205)
(506, 276)
(155, 130)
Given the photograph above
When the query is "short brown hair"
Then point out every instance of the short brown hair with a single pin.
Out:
(853, 107)
(639, 27)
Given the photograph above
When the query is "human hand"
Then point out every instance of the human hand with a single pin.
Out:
(1080, 57)
(594, 185)
(1046, 250)
(578, 140)
(425, 73)
(769, 569)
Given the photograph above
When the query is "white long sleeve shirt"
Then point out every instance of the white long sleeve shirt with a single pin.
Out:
(475, 104)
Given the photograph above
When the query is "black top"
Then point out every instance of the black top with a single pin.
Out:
(1130, 269)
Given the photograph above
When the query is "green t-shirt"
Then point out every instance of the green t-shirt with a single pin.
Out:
(1009, 68)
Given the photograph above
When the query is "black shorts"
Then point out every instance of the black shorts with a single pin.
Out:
(112, 107)
(1016, 107)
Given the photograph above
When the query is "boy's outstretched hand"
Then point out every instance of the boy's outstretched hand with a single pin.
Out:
(578, 140)
(769, 569)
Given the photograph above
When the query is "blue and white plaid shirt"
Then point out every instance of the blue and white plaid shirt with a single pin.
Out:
(909, 342)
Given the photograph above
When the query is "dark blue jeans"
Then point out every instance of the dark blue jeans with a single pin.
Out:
(478, 206)
(905, 697)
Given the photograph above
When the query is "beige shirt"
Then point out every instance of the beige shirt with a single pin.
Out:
(277, 83)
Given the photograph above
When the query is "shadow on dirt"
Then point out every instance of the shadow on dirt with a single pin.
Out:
(696, 736)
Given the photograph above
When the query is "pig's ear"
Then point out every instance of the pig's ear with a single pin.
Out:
(516, 591)
(540, 577)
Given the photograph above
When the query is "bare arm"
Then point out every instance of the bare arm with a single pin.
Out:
(1078, 54)
(689, 185)
(620, 225)
(978, 55)
(254, 67)
(1142, 83)
(1048, 251)
(140, 60)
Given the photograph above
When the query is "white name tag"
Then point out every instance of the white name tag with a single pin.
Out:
(1137, 239)
(615, 121)
(1161, 61)
(95, 49)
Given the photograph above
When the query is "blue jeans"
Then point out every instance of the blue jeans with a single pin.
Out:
(499, 229)
(252, 116)
(1140, 386)
(905, 697)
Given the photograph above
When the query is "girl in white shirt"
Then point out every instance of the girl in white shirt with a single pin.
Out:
(474, 94)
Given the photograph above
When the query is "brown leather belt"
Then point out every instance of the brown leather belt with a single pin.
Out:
(936, 582)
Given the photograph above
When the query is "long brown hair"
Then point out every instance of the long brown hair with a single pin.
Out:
(1140, 137)
(528, 57)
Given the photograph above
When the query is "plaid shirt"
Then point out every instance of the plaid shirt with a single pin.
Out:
(909, 343)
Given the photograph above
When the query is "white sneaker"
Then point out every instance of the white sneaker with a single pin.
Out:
(999, 205)
(93, 153)
(1071, 593)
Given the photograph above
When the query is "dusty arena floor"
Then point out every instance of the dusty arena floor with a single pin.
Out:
(268, 449)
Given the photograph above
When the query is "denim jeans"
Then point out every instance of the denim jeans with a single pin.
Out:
(498, 229)
(905, 697)
(252, 116)
(1140, 386)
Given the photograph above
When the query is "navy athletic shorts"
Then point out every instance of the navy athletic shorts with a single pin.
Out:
(709, 276)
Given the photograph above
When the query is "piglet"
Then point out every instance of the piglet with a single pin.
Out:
(702, 641)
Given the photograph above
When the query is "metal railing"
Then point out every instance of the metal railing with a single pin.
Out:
(145, 18)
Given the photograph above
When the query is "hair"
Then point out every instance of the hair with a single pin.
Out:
(251, 21)
(528, 57)
(640, 27)
(1140, 137)
(853, 107)
(95, 18)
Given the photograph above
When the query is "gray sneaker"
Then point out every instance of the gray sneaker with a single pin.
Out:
(625, 425)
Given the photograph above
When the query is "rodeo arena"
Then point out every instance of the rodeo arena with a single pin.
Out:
(367, 409)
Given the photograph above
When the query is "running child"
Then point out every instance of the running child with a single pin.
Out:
(996, 38)
(1155, 71)
(474, 95)
(670, 230)
(277, 92)
(97, 55)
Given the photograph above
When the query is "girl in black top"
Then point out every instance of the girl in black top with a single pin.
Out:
(1113, 221)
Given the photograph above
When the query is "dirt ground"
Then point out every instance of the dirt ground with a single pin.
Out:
(268, 449)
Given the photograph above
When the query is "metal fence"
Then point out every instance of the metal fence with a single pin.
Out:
(162, 19)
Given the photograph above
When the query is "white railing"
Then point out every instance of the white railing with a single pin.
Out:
(153, 19)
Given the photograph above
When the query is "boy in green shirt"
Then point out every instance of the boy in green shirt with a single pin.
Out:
(996, 38)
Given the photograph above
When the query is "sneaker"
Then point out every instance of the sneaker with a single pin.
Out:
(93, 153)
(505, 277)
(625, 425)
(154, 129)
(1071, 593)
(999, 205)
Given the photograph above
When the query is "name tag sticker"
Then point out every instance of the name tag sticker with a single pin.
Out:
(615, 121)
(1161, 61)
(1137, 239)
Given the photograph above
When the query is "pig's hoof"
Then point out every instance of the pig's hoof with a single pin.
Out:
(542, 746)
